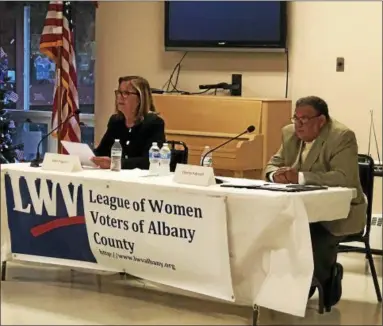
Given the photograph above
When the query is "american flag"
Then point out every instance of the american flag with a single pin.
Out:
(57, 43)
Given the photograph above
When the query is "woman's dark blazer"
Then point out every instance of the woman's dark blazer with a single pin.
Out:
(140, 137)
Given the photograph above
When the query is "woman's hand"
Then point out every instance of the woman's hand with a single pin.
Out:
(103, 162)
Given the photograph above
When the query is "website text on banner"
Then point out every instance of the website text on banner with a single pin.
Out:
(177, 239)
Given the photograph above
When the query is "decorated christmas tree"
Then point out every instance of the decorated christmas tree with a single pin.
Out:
(9, 152)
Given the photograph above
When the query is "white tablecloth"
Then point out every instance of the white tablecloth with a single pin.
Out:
(269, 240)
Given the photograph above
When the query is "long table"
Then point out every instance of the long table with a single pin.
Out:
(247, 247)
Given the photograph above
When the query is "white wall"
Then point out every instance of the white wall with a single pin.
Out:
(322, 31)
(130, 41)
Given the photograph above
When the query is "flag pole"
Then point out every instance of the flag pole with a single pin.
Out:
(59, 100)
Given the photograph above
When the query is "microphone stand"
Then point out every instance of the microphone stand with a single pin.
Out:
(35, 163)
(226, 142)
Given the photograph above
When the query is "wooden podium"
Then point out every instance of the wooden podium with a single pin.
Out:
(201, 121)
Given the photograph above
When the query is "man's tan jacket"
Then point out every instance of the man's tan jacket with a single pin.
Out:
(332, 161)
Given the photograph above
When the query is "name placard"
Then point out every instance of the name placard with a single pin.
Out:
(61, 163)
(194, 175)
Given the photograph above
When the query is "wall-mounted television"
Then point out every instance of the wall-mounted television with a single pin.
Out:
(245, 26)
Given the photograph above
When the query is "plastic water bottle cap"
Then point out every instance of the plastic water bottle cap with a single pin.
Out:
(116, 140)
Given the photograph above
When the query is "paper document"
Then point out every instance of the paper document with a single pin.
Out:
(81, 150)
(241, 182)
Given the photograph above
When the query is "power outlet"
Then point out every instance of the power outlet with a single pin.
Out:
(340, 64)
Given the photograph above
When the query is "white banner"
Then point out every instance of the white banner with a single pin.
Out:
(173, 238)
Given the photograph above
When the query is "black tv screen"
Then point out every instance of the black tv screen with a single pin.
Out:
(225, 25)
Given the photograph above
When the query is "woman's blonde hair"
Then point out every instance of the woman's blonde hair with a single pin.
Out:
(142, 87)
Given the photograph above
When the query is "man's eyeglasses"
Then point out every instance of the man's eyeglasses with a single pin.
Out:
(302, 120)
(124, 94)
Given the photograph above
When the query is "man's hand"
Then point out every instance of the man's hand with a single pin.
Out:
(279, 175)
(292, 176)
(102, 162)
(286, 175)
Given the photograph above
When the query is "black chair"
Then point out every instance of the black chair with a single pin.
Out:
(179, 153)
(366, 175)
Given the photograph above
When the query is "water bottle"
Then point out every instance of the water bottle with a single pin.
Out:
(154, 159)
(208, 161)
(165, 155)
(115, 156)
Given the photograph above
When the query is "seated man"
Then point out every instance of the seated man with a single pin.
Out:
(317, 150)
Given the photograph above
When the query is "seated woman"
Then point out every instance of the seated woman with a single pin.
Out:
(135, 124)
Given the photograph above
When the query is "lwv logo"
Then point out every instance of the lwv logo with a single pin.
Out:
(46, 196)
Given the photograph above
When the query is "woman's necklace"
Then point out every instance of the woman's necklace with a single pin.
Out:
(129, 128)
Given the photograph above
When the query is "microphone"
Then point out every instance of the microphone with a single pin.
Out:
(248, 130)
(219, 85)
(35, 163)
